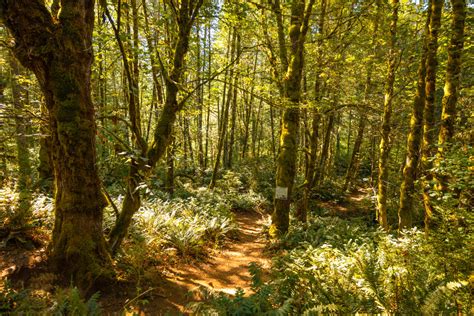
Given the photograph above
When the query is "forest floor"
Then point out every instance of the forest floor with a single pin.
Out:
(356, 203)
(225, 270)
(173, 285)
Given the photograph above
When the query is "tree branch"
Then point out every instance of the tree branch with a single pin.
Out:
(32, 29)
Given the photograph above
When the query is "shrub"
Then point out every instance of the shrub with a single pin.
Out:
(341, 266)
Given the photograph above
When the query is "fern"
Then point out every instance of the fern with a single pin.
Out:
(70, 302)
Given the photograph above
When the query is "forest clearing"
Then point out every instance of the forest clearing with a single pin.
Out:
(236, 157)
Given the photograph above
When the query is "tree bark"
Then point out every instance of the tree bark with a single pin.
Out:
(451, 86)
(286, 161)
(407, 189)
(429, 128)
(386, 124)
(58, 50)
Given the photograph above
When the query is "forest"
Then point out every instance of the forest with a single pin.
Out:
(236, 157)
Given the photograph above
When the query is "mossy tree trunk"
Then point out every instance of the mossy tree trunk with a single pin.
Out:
(386, 120)
(248, 110)
(320, 172)
(3, 151)
(233, 120)
(355, 157)
(286, 161)
(407, 189)
(200, 99)
(58, 50)
(185, 15)
(451, 85)
(429, 128)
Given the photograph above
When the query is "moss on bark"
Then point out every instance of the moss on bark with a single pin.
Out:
(381, 214)
(429, 129)
(59, 53)
(407, 189)
(287, 157)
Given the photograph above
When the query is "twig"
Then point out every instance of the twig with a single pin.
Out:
(140, 295)
(109, 198)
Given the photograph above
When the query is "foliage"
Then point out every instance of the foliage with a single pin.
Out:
(67, 301)
(41, 206)
(8, 202)
(343, 266)
(14, 301)
(198, 219)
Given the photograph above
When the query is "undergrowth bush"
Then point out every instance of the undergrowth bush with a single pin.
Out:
(340, 266)
(41, 208)
(186, 224)
(65, 301)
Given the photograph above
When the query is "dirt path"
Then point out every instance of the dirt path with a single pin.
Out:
(225, 271)
(355, 203)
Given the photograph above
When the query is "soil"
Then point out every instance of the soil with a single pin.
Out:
(355, 204)
(225, 270)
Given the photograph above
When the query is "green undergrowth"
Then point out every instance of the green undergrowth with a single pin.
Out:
(194, 220)
(187, 226)
(343, 266)
(64, 301)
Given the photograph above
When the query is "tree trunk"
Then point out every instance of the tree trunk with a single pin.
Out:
(3, 151)
(353, 164)
(302, 211)
(407, 189)
(451, 85)
(224, 117)
(45, 166)
(387, 113)
(62, 65)
(185, 17)
(200, 100)
(320, 173)
(286, 161)
(169, 181)
(233, 119)
(429, 128)
(355, 157)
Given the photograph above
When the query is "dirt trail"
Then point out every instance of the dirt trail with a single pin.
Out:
(225, 271)
(355, 203)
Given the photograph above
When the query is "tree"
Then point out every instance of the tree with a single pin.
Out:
(407, 189)
(22, 128)
(354, 162)
(451, 85)
(56, 45)
(184, 14)
(286, 161)
(314, 135)
(386, 124)
(429, 128)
